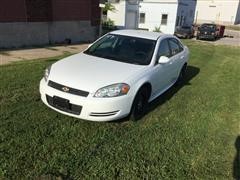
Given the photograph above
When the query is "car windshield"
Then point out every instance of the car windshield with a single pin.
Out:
(208, 26)
(125, 49)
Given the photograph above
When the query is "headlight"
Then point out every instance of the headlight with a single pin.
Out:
(47, 72)
(112, 90)
(213, 33)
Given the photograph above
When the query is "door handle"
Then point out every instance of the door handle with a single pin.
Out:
(181, 57)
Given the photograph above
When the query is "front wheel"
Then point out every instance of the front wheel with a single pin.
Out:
(139, 106)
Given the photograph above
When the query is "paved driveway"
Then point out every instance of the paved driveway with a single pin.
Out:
(233, 41)
(9, 56)
(229, 41)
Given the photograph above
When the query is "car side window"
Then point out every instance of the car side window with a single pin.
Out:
(163, 49)
(181, 46)
(175, 46)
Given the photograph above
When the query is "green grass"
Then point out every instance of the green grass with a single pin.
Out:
(189, 132)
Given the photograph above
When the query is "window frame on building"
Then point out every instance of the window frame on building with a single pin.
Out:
(142, 20)
(164, 21)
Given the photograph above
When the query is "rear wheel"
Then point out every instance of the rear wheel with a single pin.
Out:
(140, 104)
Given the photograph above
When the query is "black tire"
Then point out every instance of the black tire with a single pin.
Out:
(140, 104)
(181, 75)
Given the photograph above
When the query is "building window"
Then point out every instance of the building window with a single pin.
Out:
(132, 1)
(164, 19)
(142, 18)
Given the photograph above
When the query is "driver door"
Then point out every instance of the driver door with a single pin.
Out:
(162, 73)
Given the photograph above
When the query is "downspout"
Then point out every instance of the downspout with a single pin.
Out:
(25, 7)
(125, 19)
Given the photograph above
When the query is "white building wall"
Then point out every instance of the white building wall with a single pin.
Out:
(118, 16)
(153, 9)
(217, 11)
(153, 13)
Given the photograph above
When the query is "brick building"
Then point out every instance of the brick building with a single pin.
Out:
(39, 22)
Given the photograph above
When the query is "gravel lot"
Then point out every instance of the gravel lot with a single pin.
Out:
(229, 41)
(232, 41)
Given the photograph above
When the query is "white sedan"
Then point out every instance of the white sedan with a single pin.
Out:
(116, 76)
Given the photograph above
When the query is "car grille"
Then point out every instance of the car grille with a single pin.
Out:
(66, 89)
(63, 105)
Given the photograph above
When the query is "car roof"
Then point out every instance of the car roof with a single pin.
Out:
(139, 33)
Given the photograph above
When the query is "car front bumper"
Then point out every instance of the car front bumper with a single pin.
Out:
(181, 35)
(93, 109)
(204, 36)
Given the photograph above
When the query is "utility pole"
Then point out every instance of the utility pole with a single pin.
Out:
(101, 5)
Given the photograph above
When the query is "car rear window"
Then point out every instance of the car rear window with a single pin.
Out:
(208, 26)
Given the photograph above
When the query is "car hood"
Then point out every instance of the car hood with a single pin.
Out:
(89, 73)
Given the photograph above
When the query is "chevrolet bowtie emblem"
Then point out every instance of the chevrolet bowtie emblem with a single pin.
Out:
(65, 89)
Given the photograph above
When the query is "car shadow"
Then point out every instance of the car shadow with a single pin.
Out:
(191, 72)
(236, 162)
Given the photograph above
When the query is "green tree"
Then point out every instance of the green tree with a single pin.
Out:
(108, 7)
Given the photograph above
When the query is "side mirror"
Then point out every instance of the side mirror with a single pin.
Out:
(163, 60)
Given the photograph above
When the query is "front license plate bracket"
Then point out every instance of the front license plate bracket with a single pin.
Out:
(61, 102)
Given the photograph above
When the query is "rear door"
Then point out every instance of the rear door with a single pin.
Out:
(177, 58)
